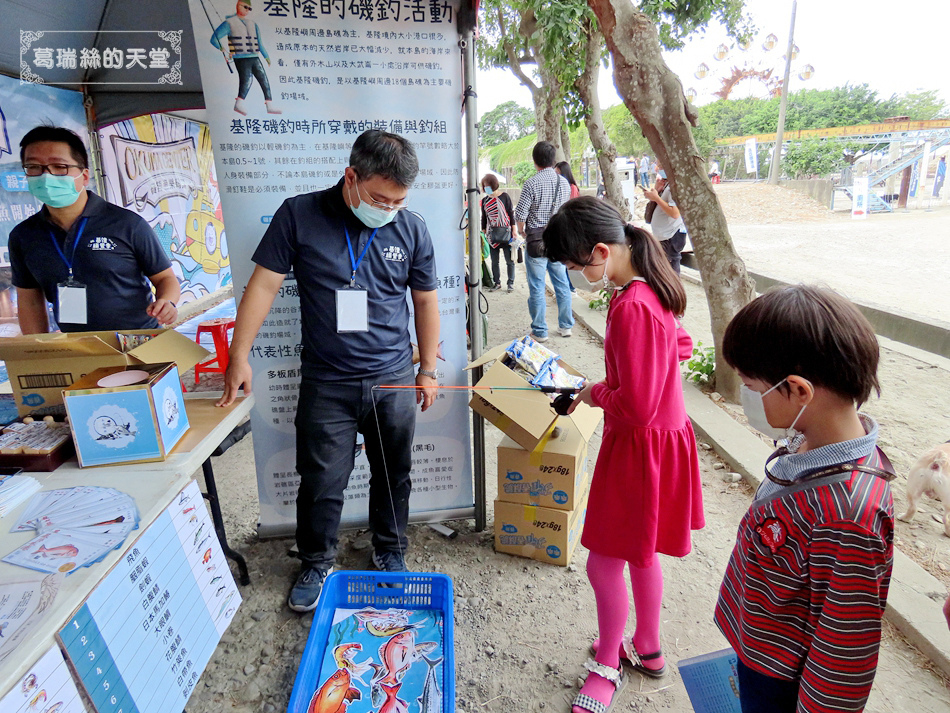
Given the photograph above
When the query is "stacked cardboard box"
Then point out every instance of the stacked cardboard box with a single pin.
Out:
(543, 473)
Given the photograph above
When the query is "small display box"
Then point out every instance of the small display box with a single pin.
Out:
(126, 414)
(380, 641)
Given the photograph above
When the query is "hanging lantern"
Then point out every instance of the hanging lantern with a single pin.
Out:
(701, 71)
(795, 51)
(691, 94)
(806, 72)
(745, 44)
(721, 52)
(770, 43)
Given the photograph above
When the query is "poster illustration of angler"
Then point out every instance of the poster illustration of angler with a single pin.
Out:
(289, 86)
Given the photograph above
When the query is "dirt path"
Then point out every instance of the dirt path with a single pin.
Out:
(522, 628)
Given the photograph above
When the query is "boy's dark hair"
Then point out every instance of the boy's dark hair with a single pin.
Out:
(56, 133)
(543, 154)
(812, 332)
(581, 223)
(380, 153)
(491, 181)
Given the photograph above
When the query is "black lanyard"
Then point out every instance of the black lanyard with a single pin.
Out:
(72, 258)
(887, 473)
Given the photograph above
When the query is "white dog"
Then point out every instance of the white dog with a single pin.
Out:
(930, 475)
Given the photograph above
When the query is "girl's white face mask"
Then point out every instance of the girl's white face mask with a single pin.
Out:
(580, 281)
(754, 410)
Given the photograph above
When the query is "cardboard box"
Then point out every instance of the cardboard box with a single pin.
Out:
(525, 415)
(126, 414)
(40, 366)
(543, 534)
(555, 477)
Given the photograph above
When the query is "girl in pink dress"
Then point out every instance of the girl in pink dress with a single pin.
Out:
(646, 493)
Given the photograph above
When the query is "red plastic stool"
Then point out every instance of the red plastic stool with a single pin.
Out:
(218, 329)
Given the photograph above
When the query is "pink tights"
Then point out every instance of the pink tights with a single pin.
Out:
(610, 590)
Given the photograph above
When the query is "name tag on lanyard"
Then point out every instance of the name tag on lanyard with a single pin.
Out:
(352, 303)
(71, 296)
(352, 310)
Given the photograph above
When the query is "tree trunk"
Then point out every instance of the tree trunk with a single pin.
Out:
(654, 96)
(565, 138)
(586, 86)
(549, 118)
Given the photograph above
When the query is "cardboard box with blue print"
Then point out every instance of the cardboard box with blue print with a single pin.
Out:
(509, 401)
(126, 414)
(40, 366)
(543, 534)
(555, 477)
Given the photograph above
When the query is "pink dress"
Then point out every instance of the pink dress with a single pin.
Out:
(646, 493)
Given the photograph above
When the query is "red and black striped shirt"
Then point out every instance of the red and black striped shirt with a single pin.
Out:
(805, 589)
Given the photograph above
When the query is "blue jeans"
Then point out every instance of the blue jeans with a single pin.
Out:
(759, 693)
(329, 414)
(537, 303)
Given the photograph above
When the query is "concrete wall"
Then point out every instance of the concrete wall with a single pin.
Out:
(821, 189)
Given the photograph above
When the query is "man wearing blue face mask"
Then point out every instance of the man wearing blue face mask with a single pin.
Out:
(92, 260)
(355, 253)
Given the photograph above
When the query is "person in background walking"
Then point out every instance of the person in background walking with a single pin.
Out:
(645, 172)
(646, 492)
(498, 224)
(666, 223)
(941, 175)
(564, 169)
(540, 198)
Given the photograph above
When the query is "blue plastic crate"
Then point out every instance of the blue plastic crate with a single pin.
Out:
(382, 590)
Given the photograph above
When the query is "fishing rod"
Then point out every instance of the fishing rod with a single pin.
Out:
(213, 28)
(561, 404)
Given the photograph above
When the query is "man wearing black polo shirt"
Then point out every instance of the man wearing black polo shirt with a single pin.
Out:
(354, 252)
(88, 258)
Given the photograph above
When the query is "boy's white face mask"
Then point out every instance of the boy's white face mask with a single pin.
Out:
(754, 410)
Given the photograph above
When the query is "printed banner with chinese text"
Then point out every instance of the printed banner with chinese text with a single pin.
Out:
(288, 88)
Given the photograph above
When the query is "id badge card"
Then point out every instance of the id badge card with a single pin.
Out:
(72, 302)
(351, 310)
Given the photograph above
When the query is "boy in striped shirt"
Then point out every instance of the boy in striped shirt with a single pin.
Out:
(804, 592)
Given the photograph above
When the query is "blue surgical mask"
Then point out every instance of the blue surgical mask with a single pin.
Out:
(371, 216)
(54, 191)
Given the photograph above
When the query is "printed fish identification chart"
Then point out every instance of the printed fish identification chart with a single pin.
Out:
(141, 640)
(46, 688)
(289, 86)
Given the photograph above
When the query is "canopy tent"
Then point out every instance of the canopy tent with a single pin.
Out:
(87, 23)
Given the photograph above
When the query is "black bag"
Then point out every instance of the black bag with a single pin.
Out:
(648, 212)
(499, 235)
(534, 245)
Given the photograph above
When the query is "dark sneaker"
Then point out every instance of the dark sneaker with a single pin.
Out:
(390, 561)
(306, 590)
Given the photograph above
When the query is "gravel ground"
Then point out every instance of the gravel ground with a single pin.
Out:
(523, 628)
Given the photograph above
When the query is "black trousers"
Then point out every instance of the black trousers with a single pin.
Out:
(496, 267)
(329, 415)
(759, 693)
(248, 68)
(673, 247)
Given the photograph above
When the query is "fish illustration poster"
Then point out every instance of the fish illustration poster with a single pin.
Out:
(381, 660)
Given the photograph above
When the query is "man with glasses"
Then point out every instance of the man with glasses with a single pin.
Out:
(91, 260)
(354, 252)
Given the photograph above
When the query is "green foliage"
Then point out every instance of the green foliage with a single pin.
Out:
(523, 171)
(676, 19)
(701, 367)
(511, 153)
(602, 300)
(921, 105)
(506, 122)
(815, 157)
(624, 132)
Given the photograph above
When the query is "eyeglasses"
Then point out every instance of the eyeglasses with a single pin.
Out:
(54, 169)
(403, 204)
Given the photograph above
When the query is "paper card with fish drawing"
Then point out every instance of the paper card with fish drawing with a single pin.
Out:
(384, 661)
(47, 687)
(63, 551)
